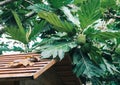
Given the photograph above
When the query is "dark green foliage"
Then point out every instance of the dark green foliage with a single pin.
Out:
(96, 81)
(59, 25)
(59, 3)
(105, 35)
(40, 7)
(108, 3)
(83, 66)
(77, 2)
(3, 47)
(17, 33)
(114, 26)
(89, 12)
(38, 27)
(57, 49)
(17, 49)
(94, 47)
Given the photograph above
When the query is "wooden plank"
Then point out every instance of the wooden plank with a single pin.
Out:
(35, 54)
(35, 65)
(51, 63)
(63, 70)
(14, 69)
(30, 71)
(18, 71)
(3, 64)
(23, 75)
(45, 62)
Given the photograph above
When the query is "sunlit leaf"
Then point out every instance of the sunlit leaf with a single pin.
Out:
(15, 34)
(108, 4)
(57, 50)
(78, 1)
(18, 21)
(38, 27)
(59, 3)
(89, 12)
(52, 18)
(105, 35)
(40, 7)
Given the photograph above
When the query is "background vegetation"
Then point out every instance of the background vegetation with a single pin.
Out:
(87, 30)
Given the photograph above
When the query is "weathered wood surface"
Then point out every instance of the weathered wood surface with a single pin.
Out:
(24, 72)
(46, 72)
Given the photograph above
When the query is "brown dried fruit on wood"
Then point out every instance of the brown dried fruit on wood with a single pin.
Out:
(34, 58)
(28, 61)
(20, 63)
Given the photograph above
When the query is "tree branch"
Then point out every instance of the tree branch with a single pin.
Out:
(30, 14)
(29, 2)
(5, 2)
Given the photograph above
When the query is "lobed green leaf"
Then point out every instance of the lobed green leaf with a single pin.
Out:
(56, 50)
(52, 18)
(89, 12)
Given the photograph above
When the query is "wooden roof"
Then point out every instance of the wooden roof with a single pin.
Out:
(23, 72)
(62, 68)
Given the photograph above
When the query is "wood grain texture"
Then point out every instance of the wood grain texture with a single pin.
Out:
(23, 72)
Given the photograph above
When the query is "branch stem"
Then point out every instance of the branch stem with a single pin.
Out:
(5, 2)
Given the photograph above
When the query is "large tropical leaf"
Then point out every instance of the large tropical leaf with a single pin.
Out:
(56, 50)
(59, 3)
(110, 67)
(17, 33)
(108, 3)
(18, 21)
(90, 30)
(52, 18)
(84, 66)
(95, 55)
(40, 7)
(105, 35)
(70, 17)
(51, 40)
(38, 27)
(78, 1)
(96, 81)
(89, 12)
